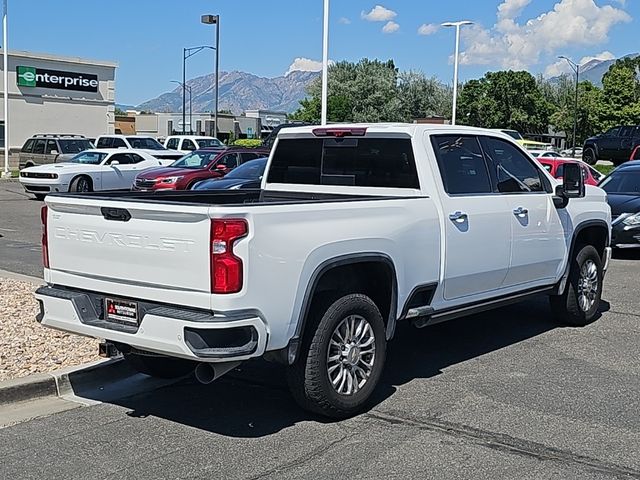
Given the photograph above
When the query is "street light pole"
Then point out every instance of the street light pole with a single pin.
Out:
(186, 53)
(5, 54)
(325, 64)
(576, 69)
(455, 64)
(215, 20)
(188, 88)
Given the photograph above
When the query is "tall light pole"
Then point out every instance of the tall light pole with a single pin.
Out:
(325, 64)
(5, 55)
(186, 53)
(576, 68)
(215, 20)
(184, 85)
(455, 64)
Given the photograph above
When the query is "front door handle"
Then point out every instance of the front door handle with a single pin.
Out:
(520, 212)
(458, 217)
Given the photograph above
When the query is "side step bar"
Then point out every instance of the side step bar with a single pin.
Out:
(425, 315)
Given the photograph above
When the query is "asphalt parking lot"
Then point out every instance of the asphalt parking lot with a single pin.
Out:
(505, 394)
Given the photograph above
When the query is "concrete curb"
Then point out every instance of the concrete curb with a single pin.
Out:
(55, 384)
(22, 278)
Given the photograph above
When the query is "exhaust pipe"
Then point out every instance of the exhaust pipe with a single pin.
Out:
(207, 373)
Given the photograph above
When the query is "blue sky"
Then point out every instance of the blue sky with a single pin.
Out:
(146, 37)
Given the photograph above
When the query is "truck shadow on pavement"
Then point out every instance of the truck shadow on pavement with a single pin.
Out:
(253, 400)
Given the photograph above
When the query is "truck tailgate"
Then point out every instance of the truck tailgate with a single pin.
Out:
(142, 244)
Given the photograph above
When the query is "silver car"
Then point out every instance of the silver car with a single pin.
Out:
(54, 148)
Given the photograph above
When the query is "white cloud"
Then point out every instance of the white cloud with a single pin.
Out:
(302, 64)
(428, 29)
(379, 14)
(520, 44)
(561, 66)
(344, 21)
(390, 27)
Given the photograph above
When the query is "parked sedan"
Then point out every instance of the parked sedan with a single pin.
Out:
(623, 195)
(195, 167)
(543, 153)
(247, 175)
(555, 166)
(91, 170)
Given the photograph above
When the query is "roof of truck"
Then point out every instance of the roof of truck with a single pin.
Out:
(407, 128)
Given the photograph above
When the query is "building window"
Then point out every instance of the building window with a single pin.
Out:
(2, 134)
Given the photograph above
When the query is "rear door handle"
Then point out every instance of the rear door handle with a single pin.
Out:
(520, 212)
(458, 217)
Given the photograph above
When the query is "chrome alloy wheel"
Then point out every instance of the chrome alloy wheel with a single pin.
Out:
(588, 285)
(351, 355)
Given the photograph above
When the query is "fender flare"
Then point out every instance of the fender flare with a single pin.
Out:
(293, 348)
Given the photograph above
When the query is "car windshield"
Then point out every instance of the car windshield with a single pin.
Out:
(513, 134)
(147, 143)
(74, 146)
(89, 158)
(196, 160)
(622, 182)
(209, 142)
(251, 170)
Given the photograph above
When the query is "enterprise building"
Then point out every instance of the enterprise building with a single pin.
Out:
(53, 94)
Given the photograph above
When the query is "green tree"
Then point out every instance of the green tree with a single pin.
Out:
(119, 112)
(621, 94)
(374, 91)
(504, 99)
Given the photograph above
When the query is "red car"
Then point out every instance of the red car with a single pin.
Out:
(195, 167)
(555, 166)
(635, 155)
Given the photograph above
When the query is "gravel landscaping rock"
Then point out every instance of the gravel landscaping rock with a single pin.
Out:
(26, 347)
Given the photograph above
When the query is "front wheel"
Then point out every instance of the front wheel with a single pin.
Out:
(81, 184)
(589, 156)
(578, 305)
(341, 358)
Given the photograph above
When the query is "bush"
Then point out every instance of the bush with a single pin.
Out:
(248, 142)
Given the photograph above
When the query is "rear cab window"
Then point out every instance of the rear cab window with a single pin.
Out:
(349, 161)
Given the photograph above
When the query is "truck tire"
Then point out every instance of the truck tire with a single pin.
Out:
(578, 305)
(159, 366)
(341, 358)
(589, 156)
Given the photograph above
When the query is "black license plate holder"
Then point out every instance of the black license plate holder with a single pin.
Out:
(120, 311)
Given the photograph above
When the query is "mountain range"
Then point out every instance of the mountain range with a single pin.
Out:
(239, 91)
(595, 69)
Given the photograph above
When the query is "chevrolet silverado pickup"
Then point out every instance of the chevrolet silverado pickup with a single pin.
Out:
(354, 229)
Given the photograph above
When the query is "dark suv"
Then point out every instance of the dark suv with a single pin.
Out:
(52, 148)
(616, 145)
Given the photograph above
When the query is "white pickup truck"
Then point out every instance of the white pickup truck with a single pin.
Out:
(356, 228)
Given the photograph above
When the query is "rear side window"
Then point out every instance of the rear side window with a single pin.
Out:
(626, 131)
(104, 142)
(362, 162)
(39, 146)
(28, 147)
(119, 143)
(462, 166)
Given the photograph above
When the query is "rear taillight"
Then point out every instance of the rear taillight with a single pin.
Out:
(45, 241)
(226, 268)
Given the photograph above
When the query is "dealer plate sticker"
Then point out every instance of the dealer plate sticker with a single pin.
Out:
(121, 311)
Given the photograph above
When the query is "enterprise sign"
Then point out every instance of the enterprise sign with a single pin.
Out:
(39, 77)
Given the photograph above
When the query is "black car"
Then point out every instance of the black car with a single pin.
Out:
(247, 175)
(623, 194)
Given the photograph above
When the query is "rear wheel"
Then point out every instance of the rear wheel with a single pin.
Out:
(159, 366)
(578, 305)
(341, 358)
(589, 156)
(81, 184)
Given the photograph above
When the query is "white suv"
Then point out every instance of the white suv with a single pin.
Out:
(139, 142)
(189, 143)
